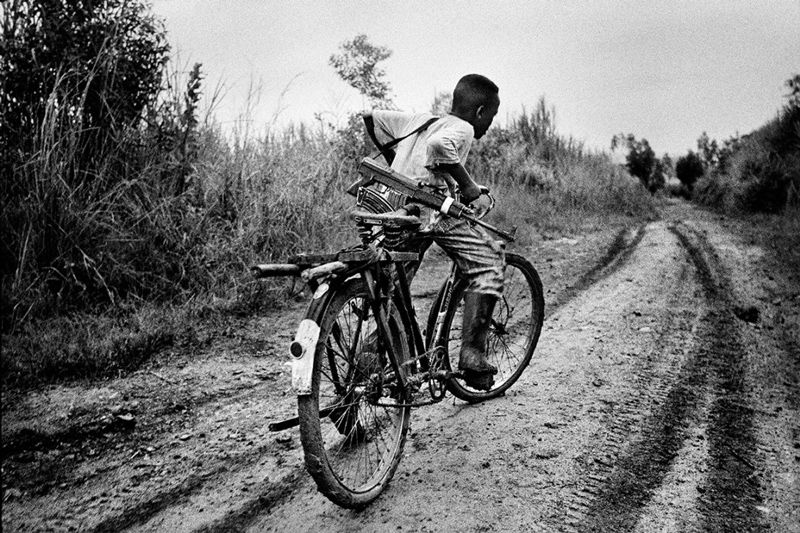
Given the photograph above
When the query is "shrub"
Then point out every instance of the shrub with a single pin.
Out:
(88, 67)
(759, 171)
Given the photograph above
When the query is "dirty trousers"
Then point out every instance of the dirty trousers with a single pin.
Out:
(480, 258)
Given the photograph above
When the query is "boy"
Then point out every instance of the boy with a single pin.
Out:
(435, 157)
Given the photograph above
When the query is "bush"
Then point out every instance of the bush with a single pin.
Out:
(87, 67)
(764, 177)
(759, 171)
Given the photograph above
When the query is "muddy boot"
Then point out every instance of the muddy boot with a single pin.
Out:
(472, 363)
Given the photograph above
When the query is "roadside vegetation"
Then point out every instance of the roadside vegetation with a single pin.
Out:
(758, 172)
(129, 220)
(755, 176)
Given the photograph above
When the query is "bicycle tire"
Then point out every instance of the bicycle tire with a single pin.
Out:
(353, 452)
(520, 310)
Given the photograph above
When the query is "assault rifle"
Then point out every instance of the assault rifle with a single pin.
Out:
(373, 172)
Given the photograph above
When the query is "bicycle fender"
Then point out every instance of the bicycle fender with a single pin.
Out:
(303, 347)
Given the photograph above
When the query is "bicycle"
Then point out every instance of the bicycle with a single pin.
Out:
(359, 360)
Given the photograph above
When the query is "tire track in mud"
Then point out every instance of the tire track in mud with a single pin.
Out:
(617, 489)
(269, 494)
(180, 493)
(105, 422)
(614, 258)
(731, 492)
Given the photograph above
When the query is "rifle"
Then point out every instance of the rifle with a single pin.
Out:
(373, 172)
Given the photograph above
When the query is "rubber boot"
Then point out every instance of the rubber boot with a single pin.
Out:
(472, 362)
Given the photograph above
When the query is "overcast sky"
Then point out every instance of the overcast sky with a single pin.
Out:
(662, 70)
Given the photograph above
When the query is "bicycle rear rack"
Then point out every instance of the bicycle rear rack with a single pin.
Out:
(313, 266)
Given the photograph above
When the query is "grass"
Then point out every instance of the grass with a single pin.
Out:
(81, 345)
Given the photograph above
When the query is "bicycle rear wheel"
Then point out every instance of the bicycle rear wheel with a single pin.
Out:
(514, 331)
(351, 426)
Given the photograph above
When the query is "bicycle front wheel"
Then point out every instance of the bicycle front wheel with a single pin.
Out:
(353, 426)
(513, 332)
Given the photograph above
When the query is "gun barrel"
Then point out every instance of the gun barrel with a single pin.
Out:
(507, 235)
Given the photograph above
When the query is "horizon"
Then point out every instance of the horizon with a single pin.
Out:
(662, 73)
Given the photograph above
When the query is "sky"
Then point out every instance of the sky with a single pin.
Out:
(663, 70)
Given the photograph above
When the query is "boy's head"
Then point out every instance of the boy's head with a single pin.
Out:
(476, 100)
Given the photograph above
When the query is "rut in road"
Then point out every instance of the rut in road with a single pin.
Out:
(617, 490)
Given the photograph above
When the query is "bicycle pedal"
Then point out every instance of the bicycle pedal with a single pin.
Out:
(425, 389)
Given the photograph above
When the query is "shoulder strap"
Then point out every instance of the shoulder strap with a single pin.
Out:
(422, 128)
(386, 149)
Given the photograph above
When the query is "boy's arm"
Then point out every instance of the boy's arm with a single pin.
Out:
(469, 189)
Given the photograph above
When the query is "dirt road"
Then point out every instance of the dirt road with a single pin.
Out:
(664, 396)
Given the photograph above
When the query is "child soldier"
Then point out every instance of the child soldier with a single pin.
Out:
(433, 153)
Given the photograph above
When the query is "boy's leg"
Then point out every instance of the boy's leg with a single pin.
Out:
(481, 260)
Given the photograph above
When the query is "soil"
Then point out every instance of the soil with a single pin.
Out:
(664, 395)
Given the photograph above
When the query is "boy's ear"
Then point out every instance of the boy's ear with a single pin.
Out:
(479, 111)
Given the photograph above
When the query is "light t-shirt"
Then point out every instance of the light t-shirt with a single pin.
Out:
(446, 141)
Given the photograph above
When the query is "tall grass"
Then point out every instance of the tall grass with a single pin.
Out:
(174, 211)
(557, 184)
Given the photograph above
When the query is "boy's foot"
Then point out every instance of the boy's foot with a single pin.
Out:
(479, 380)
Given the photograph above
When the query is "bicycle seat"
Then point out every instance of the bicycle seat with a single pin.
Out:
(392, 219)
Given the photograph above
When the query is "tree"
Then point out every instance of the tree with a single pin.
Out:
(640, 160)
(708, 150)
(688, 168)
(667, 165)
(357, 64)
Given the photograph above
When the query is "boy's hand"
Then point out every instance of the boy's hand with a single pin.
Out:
(470, 192)
(481, 204)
